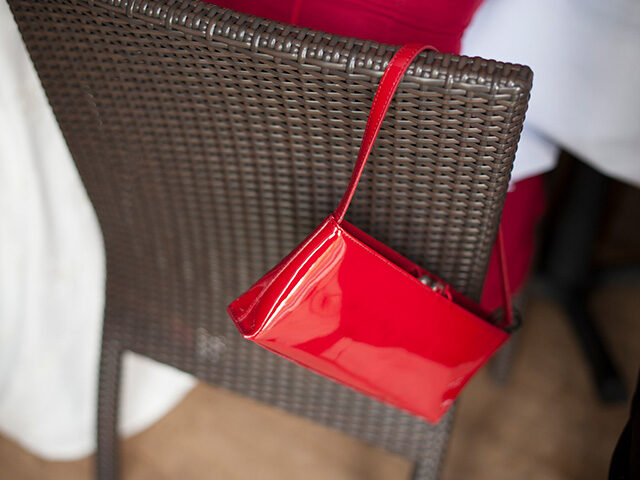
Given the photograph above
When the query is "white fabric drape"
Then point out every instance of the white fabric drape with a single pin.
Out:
(585, 56)
(52, 283)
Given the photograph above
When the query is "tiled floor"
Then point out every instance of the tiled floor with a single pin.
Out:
(545, 424)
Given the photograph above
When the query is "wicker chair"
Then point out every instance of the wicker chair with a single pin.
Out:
(212, 142)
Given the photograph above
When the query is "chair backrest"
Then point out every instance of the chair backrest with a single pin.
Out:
(212, 142)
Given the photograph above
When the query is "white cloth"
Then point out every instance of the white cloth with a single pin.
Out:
(585, 55)
(52, 283)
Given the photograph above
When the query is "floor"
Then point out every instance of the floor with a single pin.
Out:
(544, 424)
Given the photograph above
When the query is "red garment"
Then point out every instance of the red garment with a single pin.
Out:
(523, 208)
(439, 23)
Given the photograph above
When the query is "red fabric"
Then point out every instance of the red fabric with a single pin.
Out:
(522, 210)
(440, 23)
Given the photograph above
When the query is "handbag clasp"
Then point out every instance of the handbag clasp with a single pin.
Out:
(435, 285)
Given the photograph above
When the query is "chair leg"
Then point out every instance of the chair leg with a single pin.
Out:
(107, 420)
(569, 271)
(424, 470)
(428, 468)
(429, 465)
(501, 364)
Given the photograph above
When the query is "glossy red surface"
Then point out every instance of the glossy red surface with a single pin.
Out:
(350, 308)
(339, 308)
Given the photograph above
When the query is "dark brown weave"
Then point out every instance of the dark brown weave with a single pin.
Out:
(211, 143)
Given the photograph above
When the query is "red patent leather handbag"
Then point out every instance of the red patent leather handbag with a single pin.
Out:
(348, 307)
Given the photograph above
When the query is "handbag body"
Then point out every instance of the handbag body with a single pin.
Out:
(350, 308)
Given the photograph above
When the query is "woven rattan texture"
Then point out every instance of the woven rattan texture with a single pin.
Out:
(211, 143)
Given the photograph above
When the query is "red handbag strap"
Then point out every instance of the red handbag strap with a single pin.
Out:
(386, 89)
